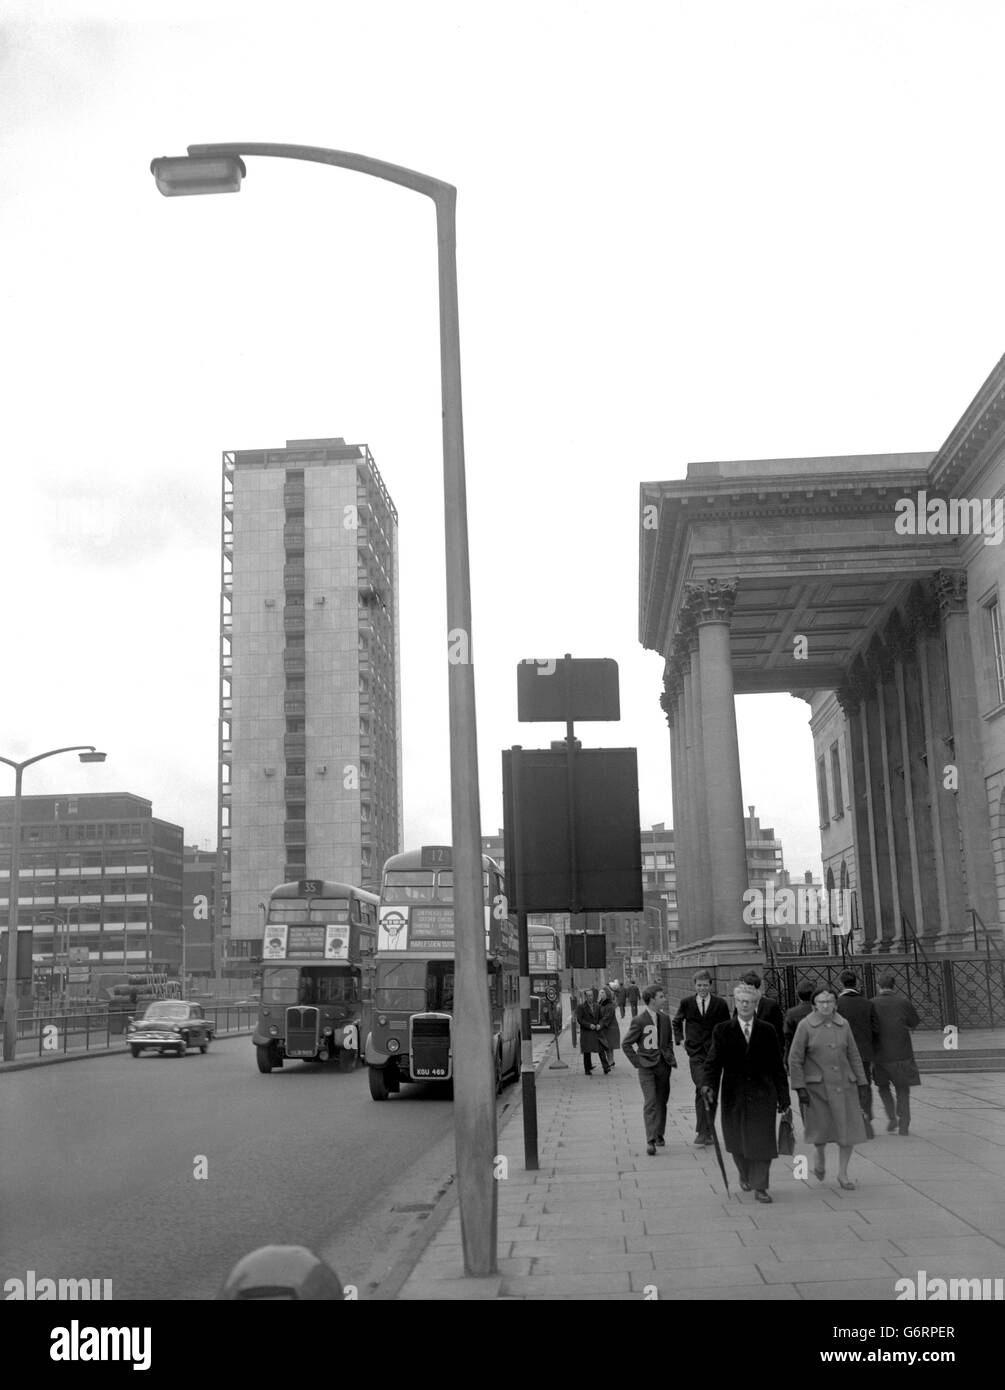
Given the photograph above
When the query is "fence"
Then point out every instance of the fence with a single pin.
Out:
(98, 1030)
(966, 990)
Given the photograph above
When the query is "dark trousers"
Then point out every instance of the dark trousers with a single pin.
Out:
(901, 1114)
(622, 1008)
(655, 1083)
(703, 1129)
(867, 1108)
(753, 1171)
(588, 1061)
(634, 1008)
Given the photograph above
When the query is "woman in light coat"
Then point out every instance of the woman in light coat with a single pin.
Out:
(826, 1072)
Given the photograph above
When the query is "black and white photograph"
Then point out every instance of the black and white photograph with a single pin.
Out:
(502, 730)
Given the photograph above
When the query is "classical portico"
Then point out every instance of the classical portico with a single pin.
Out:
(789, 575)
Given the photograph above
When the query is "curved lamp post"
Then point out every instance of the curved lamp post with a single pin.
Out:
(220, 169)
(88, 754)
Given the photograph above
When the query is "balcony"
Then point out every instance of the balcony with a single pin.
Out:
(294, 788)
(294, 704)
(295, 660)
(294, 619)
(293, 535)
(295, 745)
(295, 832)
(294, 575)
(294, 495)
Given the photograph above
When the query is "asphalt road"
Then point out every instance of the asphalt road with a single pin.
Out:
(98, 1163)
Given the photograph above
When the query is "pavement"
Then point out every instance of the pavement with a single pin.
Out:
(600, 1220)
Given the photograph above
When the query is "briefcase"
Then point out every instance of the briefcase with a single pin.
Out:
(786, 1136)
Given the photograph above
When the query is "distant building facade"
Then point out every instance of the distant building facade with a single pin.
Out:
(310, 709)
(100, 883)
(200, 872)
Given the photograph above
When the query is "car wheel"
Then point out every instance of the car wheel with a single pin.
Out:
(136, 1051)
(263, 1056)
(378, 1083)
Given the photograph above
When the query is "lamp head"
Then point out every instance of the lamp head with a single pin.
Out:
(92, 757)
(179, 175)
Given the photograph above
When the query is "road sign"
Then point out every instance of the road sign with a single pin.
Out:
(551, 994)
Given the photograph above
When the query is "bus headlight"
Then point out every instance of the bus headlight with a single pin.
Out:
(393, 1045)
(382, 1020)
(273, 1030)
(328, 1032)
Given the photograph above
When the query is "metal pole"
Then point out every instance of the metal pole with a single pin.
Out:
(474, 1065)
(527, 1076)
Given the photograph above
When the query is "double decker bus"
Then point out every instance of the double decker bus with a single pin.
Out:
(411, 1037)
(545, 952)
(319, 941)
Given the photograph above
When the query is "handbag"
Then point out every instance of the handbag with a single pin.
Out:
(786, 1135)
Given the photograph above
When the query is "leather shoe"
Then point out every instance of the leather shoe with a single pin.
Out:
(651, 1150)
(762, 1197)
(892, 1127)
(660, 1141)
(702, 1142)
(744, 1186)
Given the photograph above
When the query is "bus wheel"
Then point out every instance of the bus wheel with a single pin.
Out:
(378, 1083)
(347, 1059)
(263, 1055)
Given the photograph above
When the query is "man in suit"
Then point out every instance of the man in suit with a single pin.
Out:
(746, 1057)
(632, 995)
(794, 1015)
(648, 1045)
(591, 1042)
(864, 1022)
(767, 1009)
(693, 1023)
(893, 1060)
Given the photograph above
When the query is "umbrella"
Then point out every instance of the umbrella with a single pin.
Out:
(710, 1115)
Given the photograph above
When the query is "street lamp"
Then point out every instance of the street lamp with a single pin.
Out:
(88, 754)
(64, 944)
(219, 169)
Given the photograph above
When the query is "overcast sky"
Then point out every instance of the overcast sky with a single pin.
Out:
(703, 230)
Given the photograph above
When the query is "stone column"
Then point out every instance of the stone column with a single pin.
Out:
(712, 605)
(951, 588)
(686, 870)
(889, 926)
(923, 624)
(670, 702)
(860, 798)
(703, 849)
(902, 646)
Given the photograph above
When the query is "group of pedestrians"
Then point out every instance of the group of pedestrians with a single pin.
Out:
(827, 1050)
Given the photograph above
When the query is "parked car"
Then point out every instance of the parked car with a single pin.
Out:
(170, 1025)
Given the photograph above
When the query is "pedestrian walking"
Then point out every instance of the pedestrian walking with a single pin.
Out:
(768, 1010)
(861, 1014)
(827, 1075)
(590, 1041)
(893, 1063)
(696, 1016)
(746, 1056)
(795, 1015)
(648, 1045)
(632, 993)
(609, 1030)
(620, 996)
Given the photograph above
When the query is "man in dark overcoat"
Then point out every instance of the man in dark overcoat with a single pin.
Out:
(862, 1018)
(591, 1043)
(795, 1015)
(693, 1022)
(632, 995)
(746, 1056)
(768, 1010)
(620, 995)
(893, 1060)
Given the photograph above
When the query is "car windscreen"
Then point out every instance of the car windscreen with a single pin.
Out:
(166, 1013)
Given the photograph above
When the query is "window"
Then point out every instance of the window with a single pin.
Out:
(822, 792)
(295, 726)
(836, 781)
(994, 616)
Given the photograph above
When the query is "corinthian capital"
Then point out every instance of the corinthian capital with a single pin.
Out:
(712, 602)
(951, 591)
